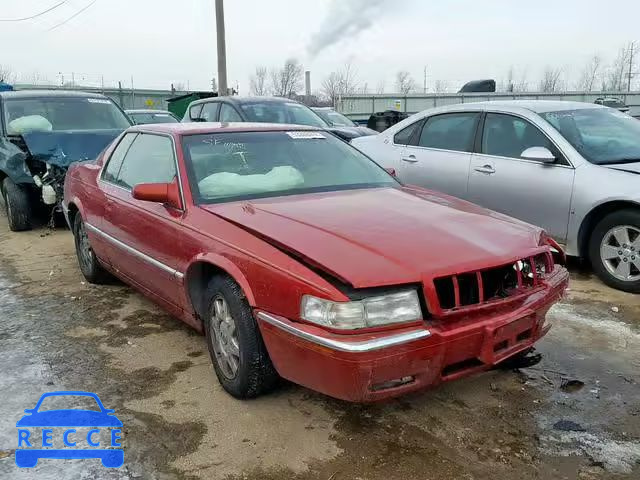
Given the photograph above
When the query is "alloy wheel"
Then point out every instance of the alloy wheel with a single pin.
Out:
(620, 252)
(224, 337)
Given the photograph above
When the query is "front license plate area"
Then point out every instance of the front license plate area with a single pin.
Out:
(504, 340)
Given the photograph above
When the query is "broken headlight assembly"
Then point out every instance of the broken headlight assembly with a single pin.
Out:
(375, 311)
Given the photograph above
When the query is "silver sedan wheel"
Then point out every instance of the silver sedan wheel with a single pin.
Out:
(224, 337)
(620, 252)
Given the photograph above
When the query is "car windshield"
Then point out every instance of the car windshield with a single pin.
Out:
(281, 112)
(62, 113)
(243, 165)
(335, 119)
(66, 402)
(144, 118)
(601, 135)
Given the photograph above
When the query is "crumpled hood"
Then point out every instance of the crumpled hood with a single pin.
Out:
(61, 148)
(385, 236)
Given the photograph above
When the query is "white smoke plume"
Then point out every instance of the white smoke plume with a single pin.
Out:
(346, 18)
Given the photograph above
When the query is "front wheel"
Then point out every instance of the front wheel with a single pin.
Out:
(238, 353)
(614, 250)
(87, 260)
(17, 205)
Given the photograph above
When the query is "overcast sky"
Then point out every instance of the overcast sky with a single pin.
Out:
(163, 41)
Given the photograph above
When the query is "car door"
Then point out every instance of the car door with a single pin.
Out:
(438, 157)
(500, 179)
(145, 236)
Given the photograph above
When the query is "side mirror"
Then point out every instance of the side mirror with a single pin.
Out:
(391, 171)
(538, 154)
(167, 193)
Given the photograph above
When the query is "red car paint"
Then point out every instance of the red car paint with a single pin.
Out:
(279, 249)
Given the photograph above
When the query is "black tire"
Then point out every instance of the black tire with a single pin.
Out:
(627, 217)
(87, 260)
(255, 373)
(17, 205)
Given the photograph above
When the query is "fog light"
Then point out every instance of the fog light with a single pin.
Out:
(392, 383)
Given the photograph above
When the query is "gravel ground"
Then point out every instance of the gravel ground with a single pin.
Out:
(576, 415)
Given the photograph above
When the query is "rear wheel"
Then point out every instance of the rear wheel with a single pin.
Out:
(87, 260)
(237, 350)
(614, 250)
(17, 205)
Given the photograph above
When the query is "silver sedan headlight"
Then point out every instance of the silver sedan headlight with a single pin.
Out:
(369, 312)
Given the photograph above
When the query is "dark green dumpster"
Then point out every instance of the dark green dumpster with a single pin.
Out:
(178, 105)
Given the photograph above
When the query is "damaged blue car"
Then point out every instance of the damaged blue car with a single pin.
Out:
(41, 133)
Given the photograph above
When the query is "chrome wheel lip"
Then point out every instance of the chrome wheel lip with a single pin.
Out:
(85, 252)
(620, 252)
(224, 337)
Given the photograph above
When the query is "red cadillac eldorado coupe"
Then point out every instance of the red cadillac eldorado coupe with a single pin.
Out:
(299, 257)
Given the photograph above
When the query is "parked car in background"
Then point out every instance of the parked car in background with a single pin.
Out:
(613, 102)
(264, 110)
(571, 168)
(143, 116)
(300, 257)
(338, 120)
(41, 133)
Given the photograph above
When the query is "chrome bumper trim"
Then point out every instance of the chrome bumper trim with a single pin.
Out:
(345, 346)
(137, 253)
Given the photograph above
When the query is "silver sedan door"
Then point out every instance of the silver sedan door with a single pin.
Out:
(439, 157)
(536, 191)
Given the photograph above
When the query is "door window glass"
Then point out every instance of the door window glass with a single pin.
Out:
(194, 112)
(453, 131)
(150, 159)
(229, 114)
(110, 173)
(509, 136)
(404, 136)
(210, 112)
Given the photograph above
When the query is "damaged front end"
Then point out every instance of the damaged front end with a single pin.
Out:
(42, 158)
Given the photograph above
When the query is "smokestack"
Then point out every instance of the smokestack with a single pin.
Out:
(307, 83)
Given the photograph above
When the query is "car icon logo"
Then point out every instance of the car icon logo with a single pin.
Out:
(70, 419)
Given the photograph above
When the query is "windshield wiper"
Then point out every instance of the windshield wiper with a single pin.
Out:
(620, 161)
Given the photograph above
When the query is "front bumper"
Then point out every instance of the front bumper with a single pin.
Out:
(375, 366)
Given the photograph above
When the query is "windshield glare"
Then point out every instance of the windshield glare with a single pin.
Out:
(601, 135)
(236, 166)
(285, 112)
(63, 113)
(335, 119)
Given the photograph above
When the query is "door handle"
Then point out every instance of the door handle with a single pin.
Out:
(488, 169)
(410, 159)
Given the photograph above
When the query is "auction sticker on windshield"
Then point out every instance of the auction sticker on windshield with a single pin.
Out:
(307, 135)
(69, 425)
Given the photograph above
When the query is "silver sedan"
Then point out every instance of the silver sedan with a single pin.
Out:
(571, 168)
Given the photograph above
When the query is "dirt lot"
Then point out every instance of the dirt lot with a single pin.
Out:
(575, 415)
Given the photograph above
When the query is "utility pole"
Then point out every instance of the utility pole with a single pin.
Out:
(425, 79)
(631, 53)
(222, 49)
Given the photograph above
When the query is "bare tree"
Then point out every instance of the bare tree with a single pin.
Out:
(590, 74)
(258, 82)
(616, 77)
(440, 86)
(404, 82)
(179, 87)
(364, 88)
(381, 87)
(285, 82)
(339, 83)
(6, 73)
(551, 80)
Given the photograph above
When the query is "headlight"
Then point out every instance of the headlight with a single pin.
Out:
(369, 312)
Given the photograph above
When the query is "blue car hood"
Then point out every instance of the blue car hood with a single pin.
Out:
(62, 148)
(69, 418)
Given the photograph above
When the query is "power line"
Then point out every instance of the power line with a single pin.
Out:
(72, 16)
(35, 15)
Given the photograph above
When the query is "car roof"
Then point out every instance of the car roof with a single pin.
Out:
(240, 100)
(49, 93)
(217, 127)
(537, 106)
